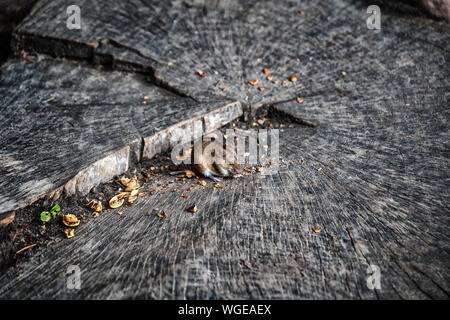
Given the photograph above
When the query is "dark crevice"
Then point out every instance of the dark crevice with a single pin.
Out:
(12, 13)
(141, 151)
(275, 112)
(56, 48)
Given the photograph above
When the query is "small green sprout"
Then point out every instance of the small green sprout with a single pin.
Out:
(48, 100)
(47, 215)
(56, 208)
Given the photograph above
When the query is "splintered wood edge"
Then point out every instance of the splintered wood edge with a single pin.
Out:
(121, 160)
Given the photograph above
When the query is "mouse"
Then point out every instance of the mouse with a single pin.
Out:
(207, 165)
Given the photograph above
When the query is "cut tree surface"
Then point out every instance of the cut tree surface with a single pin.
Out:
(311, 230)
(231, 42)
(372, 189)
(69, 127)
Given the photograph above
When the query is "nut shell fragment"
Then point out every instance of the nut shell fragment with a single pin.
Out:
(69, 233)
(95, 205)
(130, 184)
(70, 220)
(116, 202)
(121, 195)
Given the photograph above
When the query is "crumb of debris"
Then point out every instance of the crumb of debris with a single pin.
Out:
(217, 186)
(162, 214)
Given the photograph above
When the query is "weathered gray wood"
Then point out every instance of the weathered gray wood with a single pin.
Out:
(230, 41)
(375, 175)
(254, 238)
(92, 130)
